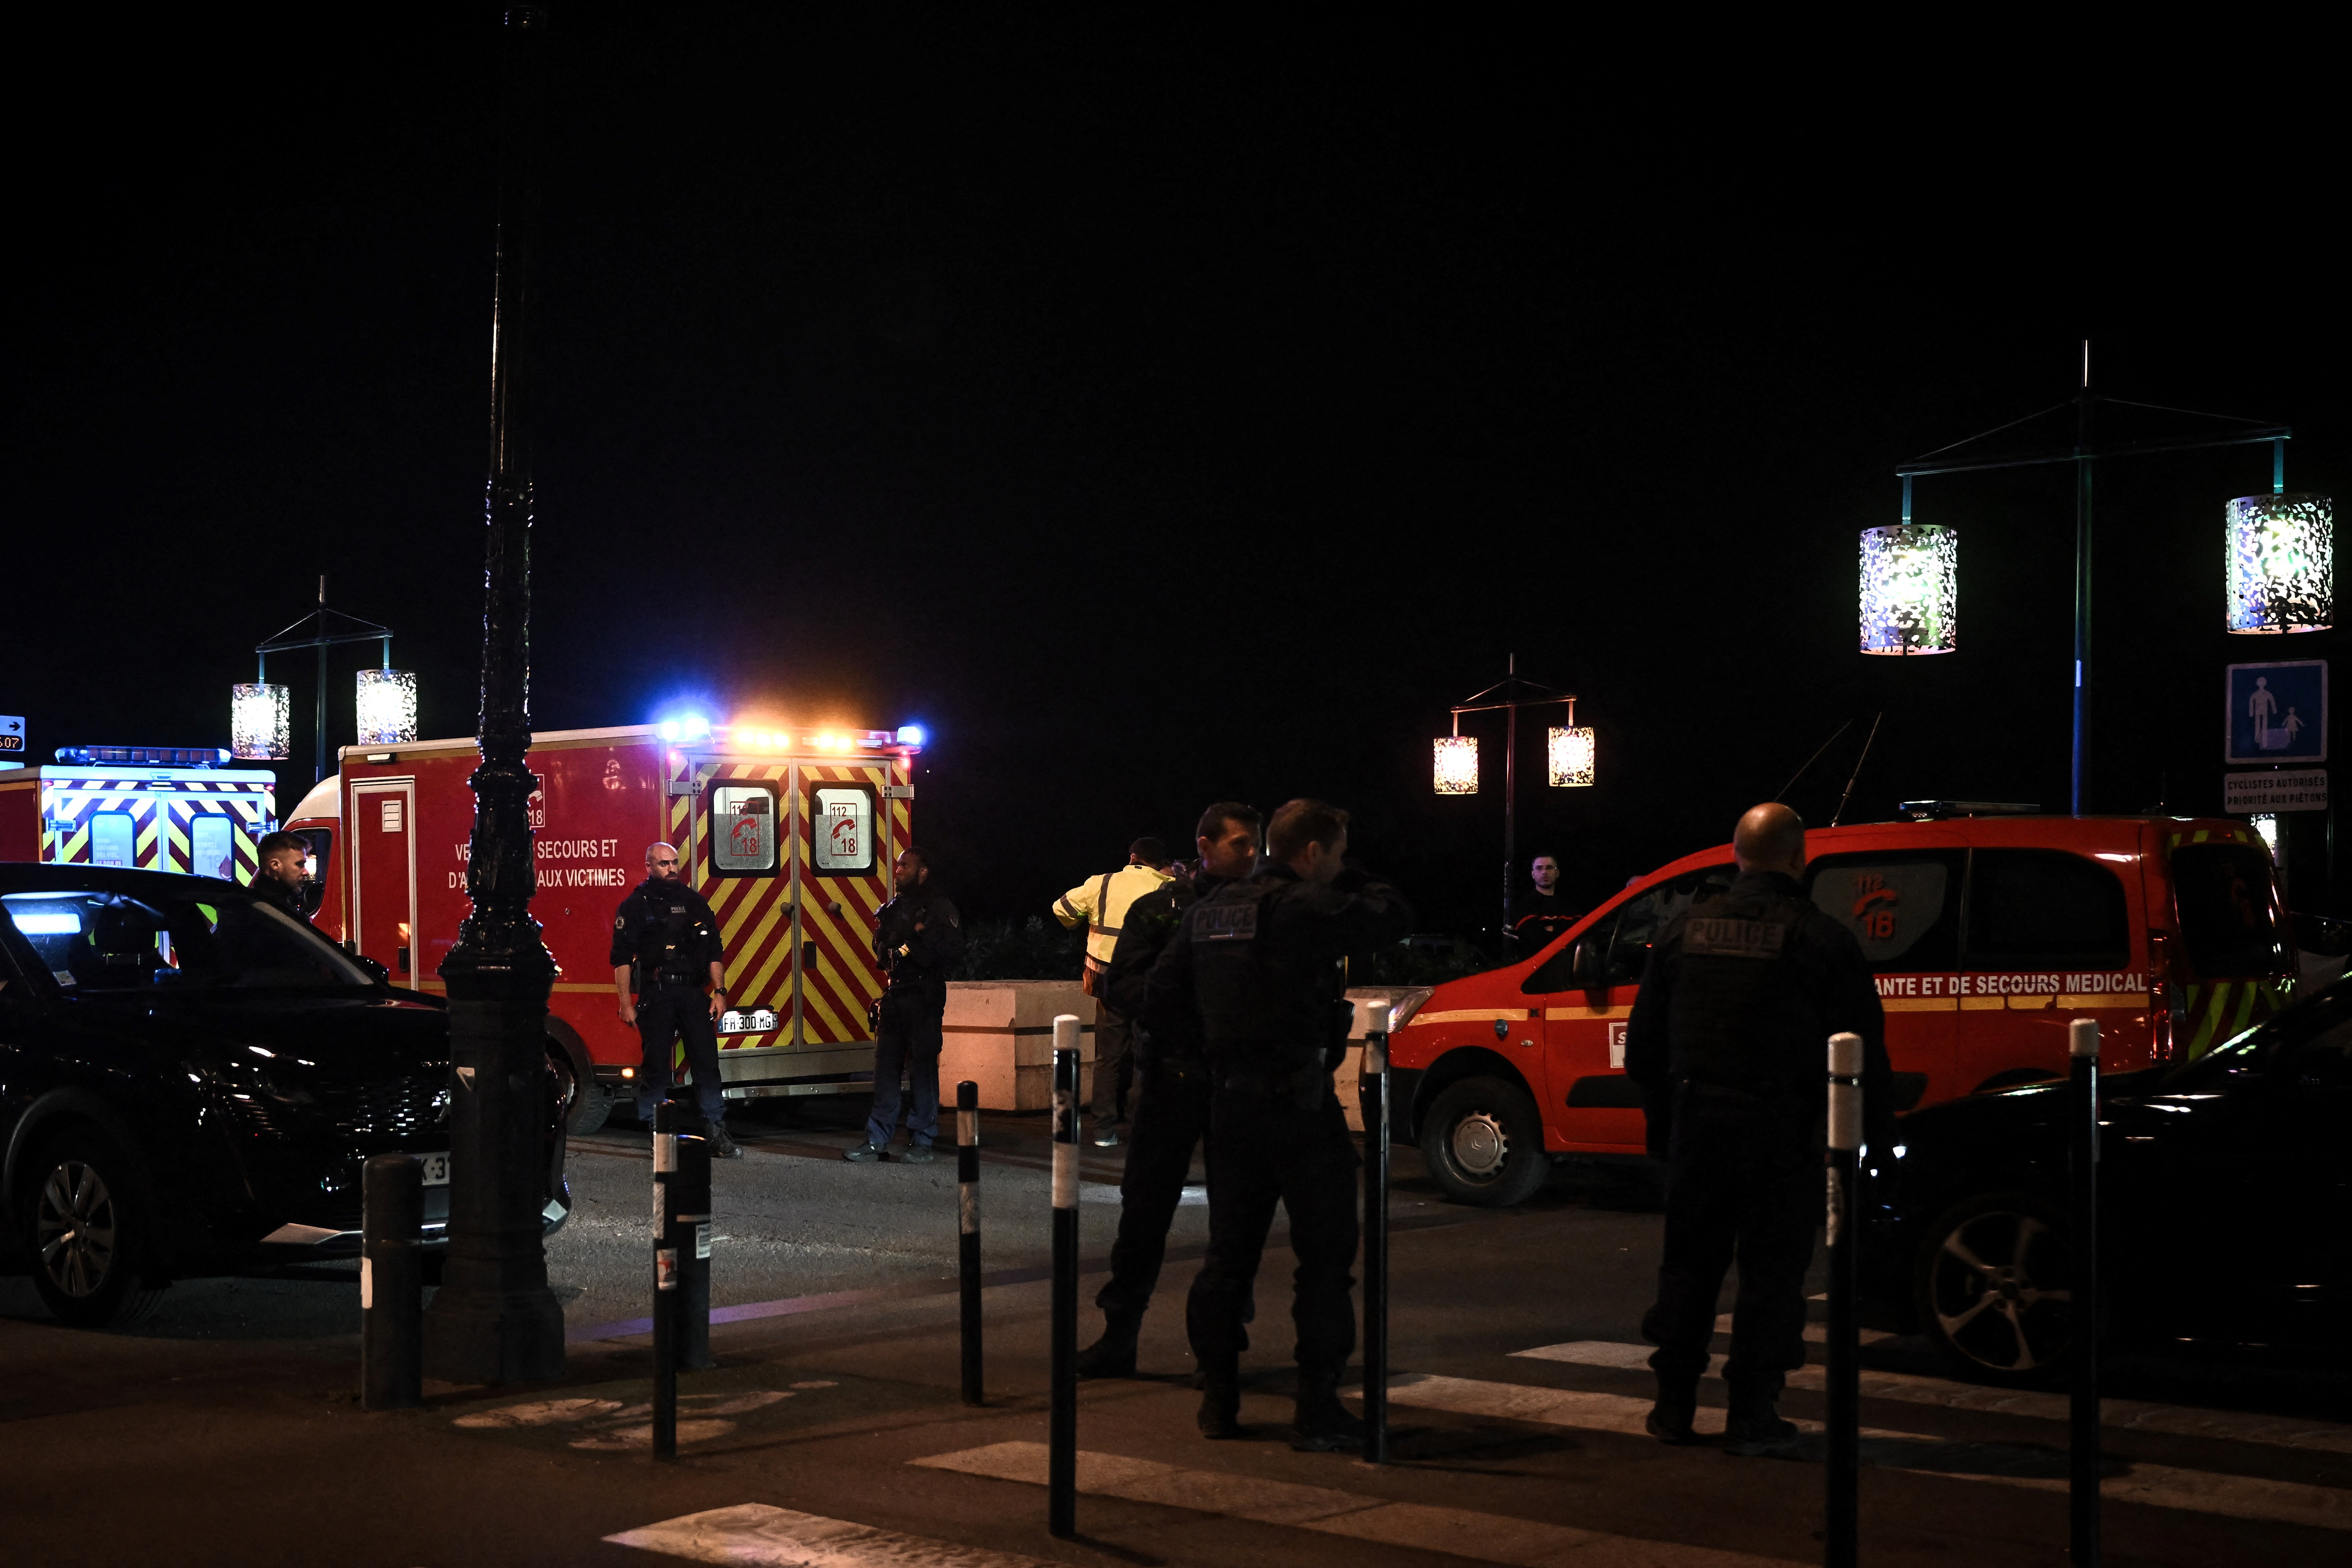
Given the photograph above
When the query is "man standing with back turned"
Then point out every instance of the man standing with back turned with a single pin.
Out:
(1258, 970)
(1101, 904)
(1728, 1041)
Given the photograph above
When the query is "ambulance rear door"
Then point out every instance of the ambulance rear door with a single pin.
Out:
(739, 847)
(851, 822)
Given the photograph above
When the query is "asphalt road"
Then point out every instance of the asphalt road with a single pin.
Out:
(223, 1428)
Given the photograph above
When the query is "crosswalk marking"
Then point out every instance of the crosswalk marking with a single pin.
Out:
(2158, 1486)
(1815, 1334)
(1458, 1532)
(2130, 1414)
(757, 1534)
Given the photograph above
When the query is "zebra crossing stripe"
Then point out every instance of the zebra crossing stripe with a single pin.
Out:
(758, 1533)
(1455, 1532)
(2130, 1415)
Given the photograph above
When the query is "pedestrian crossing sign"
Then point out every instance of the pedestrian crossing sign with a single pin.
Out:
(2278, 712)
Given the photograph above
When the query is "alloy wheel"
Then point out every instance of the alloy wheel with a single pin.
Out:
(1996, 1287)
(74, 1226)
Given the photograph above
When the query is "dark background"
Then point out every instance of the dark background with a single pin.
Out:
(1157, 410)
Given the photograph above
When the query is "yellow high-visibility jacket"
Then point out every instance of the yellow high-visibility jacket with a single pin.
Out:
(1101, 904)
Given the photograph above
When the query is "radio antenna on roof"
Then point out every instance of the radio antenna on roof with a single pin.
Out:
(1857, 767)
(1783, 794)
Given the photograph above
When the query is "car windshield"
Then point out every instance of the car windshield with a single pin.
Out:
(92, 941)
(2228, 918)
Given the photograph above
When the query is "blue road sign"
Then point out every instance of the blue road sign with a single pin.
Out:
(12, 733)
(2278, 712)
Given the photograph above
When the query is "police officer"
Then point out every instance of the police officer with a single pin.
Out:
(1259, 970)
(668, 935)
(917, 940)
(1171, 1086)
(1728, 1042)
(283, 876)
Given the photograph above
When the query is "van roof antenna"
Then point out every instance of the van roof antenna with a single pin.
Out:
(1857, 767)
(1782, 793)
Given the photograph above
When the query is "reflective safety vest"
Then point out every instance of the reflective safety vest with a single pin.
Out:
(1101, 904)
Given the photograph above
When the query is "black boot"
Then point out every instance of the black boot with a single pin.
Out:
(1670, 1418)
(1113, 1355)
(1753, 1429)
(1221, 1399)
(1323, 1425)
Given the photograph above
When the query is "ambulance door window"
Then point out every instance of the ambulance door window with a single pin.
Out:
(841, 816)
(743, 838)
(2045, 909)
(212, 847)
(113, 840)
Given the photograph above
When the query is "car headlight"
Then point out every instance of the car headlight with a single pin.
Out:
(1401, 1010)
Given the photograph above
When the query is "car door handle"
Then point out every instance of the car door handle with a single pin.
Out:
(808, 955)
(403, 961)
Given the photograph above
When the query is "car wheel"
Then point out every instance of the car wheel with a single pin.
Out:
(1994, 1291)
(85, 1231)
(1484, 1142)
(591, 1107)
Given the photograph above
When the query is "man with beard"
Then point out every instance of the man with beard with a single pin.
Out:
(666, 939)
(917, 940)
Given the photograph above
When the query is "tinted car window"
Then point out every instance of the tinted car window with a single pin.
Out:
(1557, 972)
(2222, 893)
(101, 942)
(1904, 908)
(2045, 909)
(1642, 917)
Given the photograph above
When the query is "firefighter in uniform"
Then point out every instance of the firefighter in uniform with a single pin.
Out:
(1101, 904)
(1171, 1086)
(283, 874)
(669, 938)
(1728, 1043)
(1258, 970)
(917, 940)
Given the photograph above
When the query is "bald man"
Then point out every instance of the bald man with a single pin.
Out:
(1728, 1042)
(666, 950)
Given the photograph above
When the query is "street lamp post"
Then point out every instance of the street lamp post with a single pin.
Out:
(494, 1320)
(321, 629)
(1457, 766)
(2084, 455)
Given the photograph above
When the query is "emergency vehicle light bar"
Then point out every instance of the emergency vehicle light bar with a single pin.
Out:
(143, 756)
(1940, 810)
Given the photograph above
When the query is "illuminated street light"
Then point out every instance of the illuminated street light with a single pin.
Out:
(1457, 764)
(387, 707)
(1572, 755)
(2282, 563)
(260, 722)
(1910, 589)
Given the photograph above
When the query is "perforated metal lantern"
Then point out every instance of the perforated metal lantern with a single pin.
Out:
(1910, 589)
(1571, 754)
(1457, 764)
(261, 725)
(387, 707)
(2282, 563)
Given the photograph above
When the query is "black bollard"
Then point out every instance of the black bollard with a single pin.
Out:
(1839, 1526)
(2082, 1309)
(664, 1285)
(1376, 1244)
(689, 1197)
(967, 1230)
(392, 1292)
(1062, 1422)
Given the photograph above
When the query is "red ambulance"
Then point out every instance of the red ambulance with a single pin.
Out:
(1989, 930)
(789, 833)
(149, 808)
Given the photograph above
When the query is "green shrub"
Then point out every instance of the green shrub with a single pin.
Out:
(1034, 949)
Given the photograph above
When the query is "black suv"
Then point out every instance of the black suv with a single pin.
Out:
(190, 1080)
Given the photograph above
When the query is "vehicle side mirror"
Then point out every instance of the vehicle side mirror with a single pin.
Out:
(376, 971)
(1588, 966)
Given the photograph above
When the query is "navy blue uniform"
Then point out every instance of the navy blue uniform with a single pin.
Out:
(668, 934)
(1729, 1043)
(917, 940)
(1257, 977)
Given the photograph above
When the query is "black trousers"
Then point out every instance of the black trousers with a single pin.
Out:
(1171, 1117)
(1114, 1064)
(666, 1015)
(909, 1042)
(1744, 1179)
(1261, 1150)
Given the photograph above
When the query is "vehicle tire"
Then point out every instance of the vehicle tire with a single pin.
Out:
(585, 1107)
(1992, 1284)
(591, 1107)
(85, 1231)
(1484, 1142)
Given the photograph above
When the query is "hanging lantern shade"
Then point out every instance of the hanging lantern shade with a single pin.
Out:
(259, 723)
(1572, 754)
(387, 707)
(1910, 589)
(1457, 764)
(2282, 563)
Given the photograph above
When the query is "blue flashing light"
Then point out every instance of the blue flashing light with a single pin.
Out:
(684, 727)
(913, 736)
(697, 727)
(46, 923)
(667, 730)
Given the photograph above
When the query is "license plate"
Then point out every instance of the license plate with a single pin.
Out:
(437, 1169)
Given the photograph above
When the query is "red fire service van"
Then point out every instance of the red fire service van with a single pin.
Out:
(789, 834)
(1990, 929)
(150, 808)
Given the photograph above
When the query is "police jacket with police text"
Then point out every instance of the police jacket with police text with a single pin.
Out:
(668, 933)
(1256, 968)
(919, 960)
(1743, 991)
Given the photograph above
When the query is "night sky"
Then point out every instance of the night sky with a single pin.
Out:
(1156, 406)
